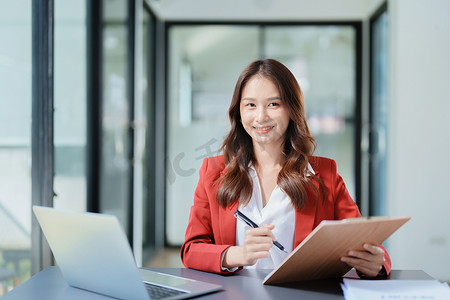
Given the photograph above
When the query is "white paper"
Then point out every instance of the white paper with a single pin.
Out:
(395, 289)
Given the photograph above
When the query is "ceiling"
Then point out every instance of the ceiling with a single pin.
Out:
(263, 10)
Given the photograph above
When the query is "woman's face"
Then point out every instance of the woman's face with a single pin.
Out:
(263, 113)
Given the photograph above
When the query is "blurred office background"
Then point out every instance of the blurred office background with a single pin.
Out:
(139, 93)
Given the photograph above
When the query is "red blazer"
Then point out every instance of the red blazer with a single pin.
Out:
(212, 229)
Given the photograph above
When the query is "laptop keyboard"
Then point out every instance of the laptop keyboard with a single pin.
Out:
(160, 292)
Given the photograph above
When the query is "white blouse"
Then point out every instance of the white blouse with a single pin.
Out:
(278, 211)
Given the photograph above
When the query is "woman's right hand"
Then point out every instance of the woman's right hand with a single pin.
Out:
(258, 242)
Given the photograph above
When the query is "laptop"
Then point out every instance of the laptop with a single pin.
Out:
(93, 254)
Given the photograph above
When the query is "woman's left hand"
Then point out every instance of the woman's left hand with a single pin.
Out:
(369, 262)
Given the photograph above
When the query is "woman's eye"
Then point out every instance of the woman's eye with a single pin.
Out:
(251, 105)
(274, 104)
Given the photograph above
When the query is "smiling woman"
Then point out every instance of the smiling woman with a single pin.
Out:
(269, 173)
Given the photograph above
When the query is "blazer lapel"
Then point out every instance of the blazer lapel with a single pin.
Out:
(305, 218)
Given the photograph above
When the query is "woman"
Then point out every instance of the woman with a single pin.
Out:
(267, 171)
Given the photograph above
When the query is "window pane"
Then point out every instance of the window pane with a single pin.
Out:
(115, 163)
(15, 141)
(204, 64)
(322, 58)
(70, 105)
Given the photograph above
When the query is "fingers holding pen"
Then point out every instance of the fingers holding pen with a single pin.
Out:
(262, 233)
(260, 238)
(258, 242)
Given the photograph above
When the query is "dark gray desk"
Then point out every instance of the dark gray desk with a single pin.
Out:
(246, 284)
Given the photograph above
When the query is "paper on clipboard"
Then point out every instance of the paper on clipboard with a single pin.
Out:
(318, 256)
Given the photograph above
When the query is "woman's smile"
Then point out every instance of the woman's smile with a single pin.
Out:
(263, 129)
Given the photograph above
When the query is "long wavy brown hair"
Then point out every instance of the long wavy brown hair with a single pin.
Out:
(299, 144)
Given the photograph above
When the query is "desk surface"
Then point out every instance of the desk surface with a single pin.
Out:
(246, 284)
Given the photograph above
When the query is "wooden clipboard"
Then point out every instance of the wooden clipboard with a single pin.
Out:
(318, 256)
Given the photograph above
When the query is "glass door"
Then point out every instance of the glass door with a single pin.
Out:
(204, 64)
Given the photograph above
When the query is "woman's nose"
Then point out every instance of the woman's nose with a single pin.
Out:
(261, 115)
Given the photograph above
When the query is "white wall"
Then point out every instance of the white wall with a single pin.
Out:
(419, 134)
